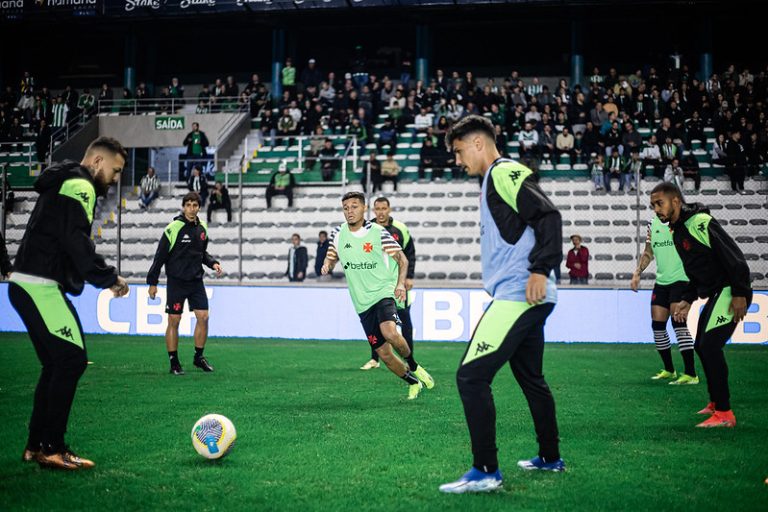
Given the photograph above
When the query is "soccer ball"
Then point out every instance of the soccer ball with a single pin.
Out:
(213, 436)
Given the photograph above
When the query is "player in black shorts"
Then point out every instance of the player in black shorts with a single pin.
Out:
(183, 251)
(371, 319)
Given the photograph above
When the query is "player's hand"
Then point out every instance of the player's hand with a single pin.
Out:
(409, 284)
(577, 265)
(681, 313)
(325, 269)
(738, 308)
(152, 291)
(400, 293)
(218, 269)
(120, 288)
(635, 282)
(536, 289)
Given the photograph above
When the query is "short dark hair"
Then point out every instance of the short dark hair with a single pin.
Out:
(381, 199)
(353, 195)
(323, 232)
(108, 144)
(190, 196)
(296, 235)
(668, 188)
(470, 124)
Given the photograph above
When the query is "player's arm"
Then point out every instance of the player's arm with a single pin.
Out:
(735, 266)
(75, 238)
(645, 259)
(538, 212)
(331, 256)
(211, 262)
(393, 249)
(410, 253)
(161, 256)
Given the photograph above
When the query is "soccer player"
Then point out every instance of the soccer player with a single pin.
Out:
(402, 236)
(521, 244)
(57, 256)
(183, 249)
(671, 282)
(376, 268)
(717, 271)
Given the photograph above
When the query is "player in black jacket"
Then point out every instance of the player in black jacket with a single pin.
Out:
(56, 256)
(717, 271)
(402, 236)
(183, 249)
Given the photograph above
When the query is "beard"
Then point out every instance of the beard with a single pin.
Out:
(101, 185)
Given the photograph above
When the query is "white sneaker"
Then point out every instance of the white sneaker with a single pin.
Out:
(370, 365)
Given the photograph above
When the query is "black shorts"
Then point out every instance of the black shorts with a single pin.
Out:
(665, 294)
(383, 311)
(178, 291)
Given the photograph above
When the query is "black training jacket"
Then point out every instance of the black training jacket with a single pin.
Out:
(183, 250)
(711, 258)
(57, 243)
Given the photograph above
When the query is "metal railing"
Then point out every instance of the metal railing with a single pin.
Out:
(61, 134)
(212, 105)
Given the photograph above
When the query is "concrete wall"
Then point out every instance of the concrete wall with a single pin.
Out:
(140, 131)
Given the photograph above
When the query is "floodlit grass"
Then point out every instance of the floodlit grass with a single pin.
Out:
(315, 433)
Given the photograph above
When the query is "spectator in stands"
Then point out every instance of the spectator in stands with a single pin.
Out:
(141, 94)
(390, 169)
(613, 169)
(202, 107)
(374, 167)
(612, 140)
(15, 133)
(428, 157)
(422, 121)
(597, 170)
(297, 260)
(754, 154)
(631, 139)
(268, 126)
(87, 101)
(59, 112)
(564, 146)
(547, 143)
(311, 76)
(387, 136)
(105, 94)
(287, 127)
(329, 160)
(322, 250)
(691, 169)
(718, 154)
(198, 183)
(577, 260)
(736, 162)
(633, 168)
(43, 140)
(529, 142)
(591, 140)
(197, 149)
(501, 141)
(231, 89)
(176, 90)
(651, 155)
(577, 154)
(674, 173)
(668, 151)
(281, 184)
(220, 200)
(288, 77)
(149, 188)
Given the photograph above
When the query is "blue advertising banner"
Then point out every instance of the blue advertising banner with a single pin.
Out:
(582, 315)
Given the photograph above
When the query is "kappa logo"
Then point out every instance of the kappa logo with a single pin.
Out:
(482, 347)
(347, 245)
(702, 227)
(84, 196)
(66, 332)
(514, 176)
(721, 320)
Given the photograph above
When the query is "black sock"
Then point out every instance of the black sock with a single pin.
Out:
(666, 357)
(690, 367)
(174, 357)
(409, 378)
(486, 468)
(199, 352)
(412, 364)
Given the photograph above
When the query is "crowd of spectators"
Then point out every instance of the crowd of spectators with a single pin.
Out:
(561, 124)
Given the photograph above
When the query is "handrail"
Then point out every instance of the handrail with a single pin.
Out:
(64, 133)
(214, 104)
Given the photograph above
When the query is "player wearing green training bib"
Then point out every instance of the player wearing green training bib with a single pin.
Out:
(376, 268)
(717, 271)
(671, 282)
(55, 258)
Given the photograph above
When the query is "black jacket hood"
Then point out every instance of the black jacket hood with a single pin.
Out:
(54, 176)
(690, 209)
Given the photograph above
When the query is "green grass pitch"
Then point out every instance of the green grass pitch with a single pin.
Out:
(315, 433)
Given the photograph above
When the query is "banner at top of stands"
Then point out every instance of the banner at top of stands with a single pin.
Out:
(18, 9)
